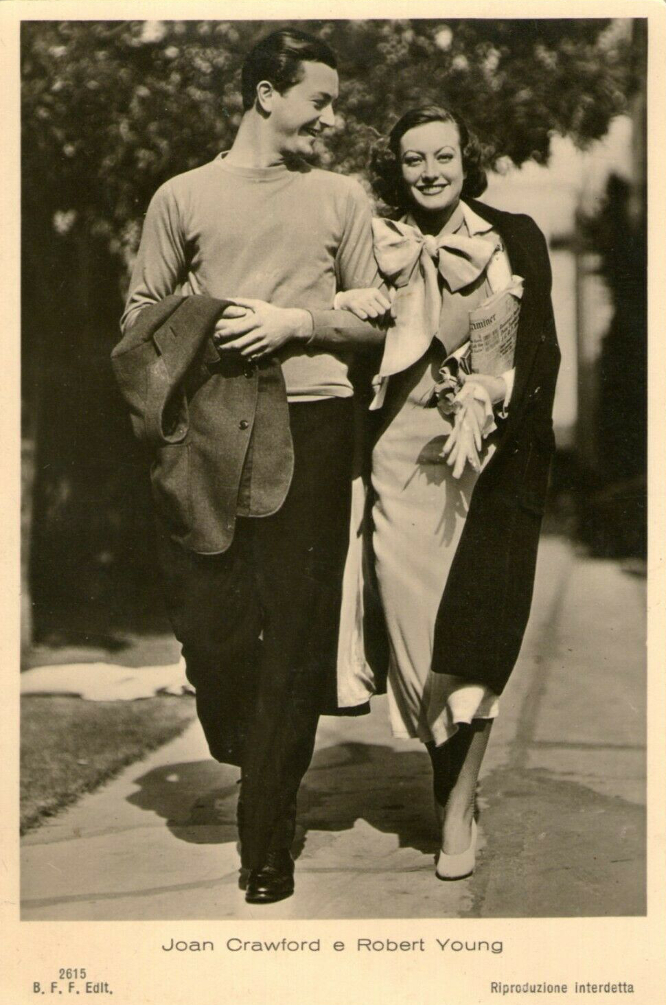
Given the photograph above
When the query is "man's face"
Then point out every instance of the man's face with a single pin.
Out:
(300, 115)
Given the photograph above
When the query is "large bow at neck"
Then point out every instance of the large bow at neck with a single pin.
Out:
(411, 262)
(399, 247)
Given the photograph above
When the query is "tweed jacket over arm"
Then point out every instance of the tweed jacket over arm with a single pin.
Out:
(196, 413)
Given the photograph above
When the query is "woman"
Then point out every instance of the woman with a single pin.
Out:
(458, 497)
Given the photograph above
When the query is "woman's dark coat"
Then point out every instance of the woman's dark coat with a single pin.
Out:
(486, 602)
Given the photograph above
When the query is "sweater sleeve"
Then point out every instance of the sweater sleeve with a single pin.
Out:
(160, 263)
(355, 268)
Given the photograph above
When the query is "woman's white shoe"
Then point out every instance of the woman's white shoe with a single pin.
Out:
(458, 866)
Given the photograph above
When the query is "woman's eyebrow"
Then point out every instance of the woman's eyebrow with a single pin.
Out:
(421, 152)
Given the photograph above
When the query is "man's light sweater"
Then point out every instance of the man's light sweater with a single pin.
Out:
(292, 237)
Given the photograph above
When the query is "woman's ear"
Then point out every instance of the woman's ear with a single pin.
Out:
(265, 93)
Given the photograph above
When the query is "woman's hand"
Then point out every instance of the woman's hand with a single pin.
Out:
(495, 386)
(364, 303)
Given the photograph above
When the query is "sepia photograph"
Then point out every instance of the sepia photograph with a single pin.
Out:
(171, 172)
(334, 485)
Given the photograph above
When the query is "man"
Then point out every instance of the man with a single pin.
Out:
(253, 555)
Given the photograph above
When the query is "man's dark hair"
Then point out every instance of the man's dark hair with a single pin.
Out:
(278, 58)
(385, 170)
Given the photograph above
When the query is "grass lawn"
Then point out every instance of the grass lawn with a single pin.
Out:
(70, 746)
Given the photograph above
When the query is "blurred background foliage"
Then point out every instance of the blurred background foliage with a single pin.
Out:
(112, 109)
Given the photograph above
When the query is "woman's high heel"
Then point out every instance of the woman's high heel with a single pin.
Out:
(458, 866)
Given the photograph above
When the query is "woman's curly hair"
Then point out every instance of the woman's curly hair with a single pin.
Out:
(386, 175)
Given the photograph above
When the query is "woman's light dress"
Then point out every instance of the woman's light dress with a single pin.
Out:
(419, 514)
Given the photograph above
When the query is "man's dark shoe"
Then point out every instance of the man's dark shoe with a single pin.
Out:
(274, 881)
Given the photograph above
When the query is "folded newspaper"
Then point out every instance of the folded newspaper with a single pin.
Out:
(492, 330)
(490, 348)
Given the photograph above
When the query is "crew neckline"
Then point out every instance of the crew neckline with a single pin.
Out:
(252, 173)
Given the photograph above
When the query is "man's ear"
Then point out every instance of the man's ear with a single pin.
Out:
(265, 94)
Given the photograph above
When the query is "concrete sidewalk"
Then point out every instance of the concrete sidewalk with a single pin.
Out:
(562, 797)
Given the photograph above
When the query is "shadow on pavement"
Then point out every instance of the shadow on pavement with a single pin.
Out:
(391, 790)
(550, 847)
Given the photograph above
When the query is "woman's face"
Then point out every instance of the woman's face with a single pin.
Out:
(431, 165)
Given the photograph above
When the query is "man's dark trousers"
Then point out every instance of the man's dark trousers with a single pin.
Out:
(259, 623)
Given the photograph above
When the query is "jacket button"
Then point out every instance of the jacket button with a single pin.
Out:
(243, 424)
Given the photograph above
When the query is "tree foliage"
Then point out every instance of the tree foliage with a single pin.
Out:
(112, 109)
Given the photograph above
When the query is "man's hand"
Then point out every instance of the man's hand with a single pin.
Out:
(256, 329)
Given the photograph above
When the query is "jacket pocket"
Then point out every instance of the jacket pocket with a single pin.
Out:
(170, 480)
